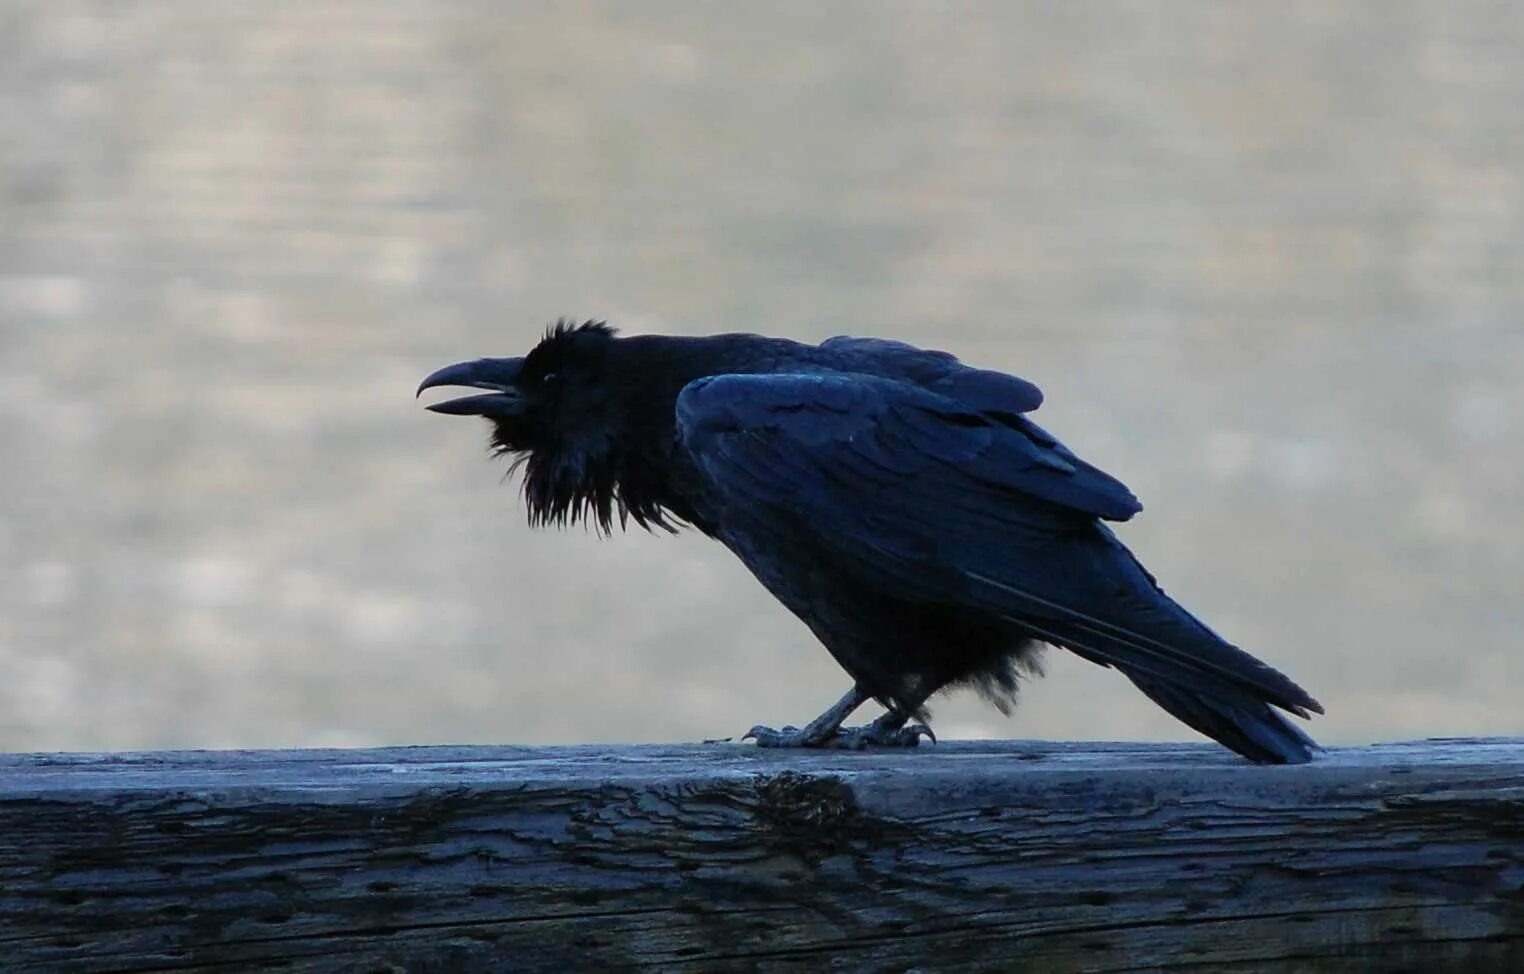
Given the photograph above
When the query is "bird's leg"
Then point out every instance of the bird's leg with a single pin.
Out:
(820, 732)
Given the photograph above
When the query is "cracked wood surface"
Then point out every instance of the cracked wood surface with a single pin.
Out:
(989, 855)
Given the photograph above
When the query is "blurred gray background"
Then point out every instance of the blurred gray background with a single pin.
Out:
(1266, 260)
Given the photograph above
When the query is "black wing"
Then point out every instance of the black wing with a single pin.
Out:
(994, 393)
(938, 501)
(877, 428)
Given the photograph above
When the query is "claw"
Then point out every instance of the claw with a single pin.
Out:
(789, 736)
(875, 735)
(916, 732)
(844, 738)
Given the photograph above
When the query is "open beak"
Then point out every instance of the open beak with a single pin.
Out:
(496, 374)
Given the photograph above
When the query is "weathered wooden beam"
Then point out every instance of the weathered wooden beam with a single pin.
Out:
(987, 856)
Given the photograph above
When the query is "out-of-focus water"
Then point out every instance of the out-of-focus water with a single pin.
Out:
(1266, 260)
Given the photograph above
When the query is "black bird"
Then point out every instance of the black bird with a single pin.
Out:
(897, 501)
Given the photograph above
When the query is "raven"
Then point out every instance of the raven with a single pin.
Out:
(900, 503)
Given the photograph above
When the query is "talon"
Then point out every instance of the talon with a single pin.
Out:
(904, 737)
(791, 736)
(767, 737)
(916, 732)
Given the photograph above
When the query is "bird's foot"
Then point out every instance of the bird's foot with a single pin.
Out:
(842, 738)
(788, 737)
(878, 735)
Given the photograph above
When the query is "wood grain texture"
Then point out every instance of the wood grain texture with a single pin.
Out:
(964, 856)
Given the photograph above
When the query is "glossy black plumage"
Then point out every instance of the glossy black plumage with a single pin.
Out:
(903, 505)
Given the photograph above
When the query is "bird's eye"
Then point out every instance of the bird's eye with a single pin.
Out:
(551, 378)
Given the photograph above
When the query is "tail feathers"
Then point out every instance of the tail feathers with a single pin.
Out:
(1238, 715)
(1172, 656)
(1211, 685)
(1150, 634)
(1245, 725)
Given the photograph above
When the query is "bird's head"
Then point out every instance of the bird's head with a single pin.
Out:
(558, 413)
